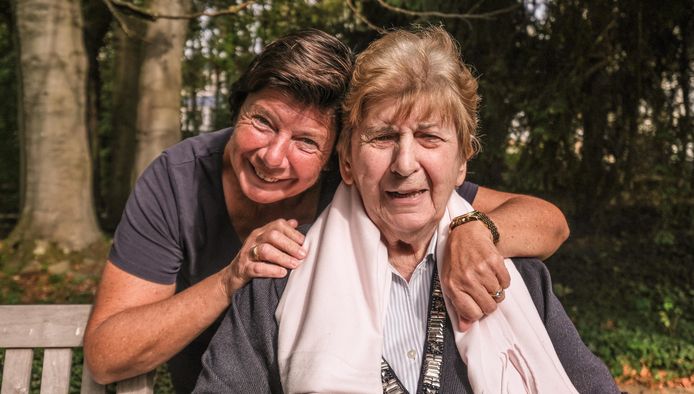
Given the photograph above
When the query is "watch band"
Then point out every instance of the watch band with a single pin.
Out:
(476, 215)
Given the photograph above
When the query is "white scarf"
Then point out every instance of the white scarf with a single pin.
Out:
(332, 313)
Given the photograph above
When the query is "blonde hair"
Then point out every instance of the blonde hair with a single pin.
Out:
(414, 67)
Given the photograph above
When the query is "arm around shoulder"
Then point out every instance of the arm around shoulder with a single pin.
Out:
(528, 226)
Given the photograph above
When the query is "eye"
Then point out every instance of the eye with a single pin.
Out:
(429, 139)
(307, 144)
(261, 122)
(386, 137)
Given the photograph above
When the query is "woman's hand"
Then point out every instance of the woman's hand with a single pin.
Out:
(472, 272)
(267, 252)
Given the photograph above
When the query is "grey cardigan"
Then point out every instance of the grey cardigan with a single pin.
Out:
(242, 357)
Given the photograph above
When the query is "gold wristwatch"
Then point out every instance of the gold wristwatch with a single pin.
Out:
(476, 215)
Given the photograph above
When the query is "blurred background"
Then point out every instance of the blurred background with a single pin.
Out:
(587, 104)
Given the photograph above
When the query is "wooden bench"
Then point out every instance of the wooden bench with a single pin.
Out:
(57, 329)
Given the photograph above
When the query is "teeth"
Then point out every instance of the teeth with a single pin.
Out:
(265, 177)
(405, 195)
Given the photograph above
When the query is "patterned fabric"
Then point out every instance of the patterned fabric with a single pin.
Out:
(406, 320)
(433, 356)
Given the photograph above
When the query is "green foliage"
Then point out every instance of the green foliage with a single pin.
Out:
(629, 296)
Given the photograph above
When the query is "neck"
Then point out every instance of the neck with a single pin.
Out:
(405, 256)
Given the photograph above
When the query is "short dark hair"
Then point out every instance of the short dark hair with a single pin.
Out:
(312, 66)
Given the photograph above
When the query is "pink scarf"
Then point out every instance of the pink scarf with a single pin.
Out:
(333, 309)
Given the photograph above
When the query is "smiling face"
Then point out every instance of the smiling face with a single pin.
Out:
(405, 168)
(279, 146)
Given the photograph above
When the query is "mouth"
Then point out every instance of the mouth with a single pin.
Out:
(406, 194)
(265, 177)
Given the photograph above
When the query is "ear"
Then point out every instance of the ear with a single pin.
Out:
(462, 171)
(346, 170)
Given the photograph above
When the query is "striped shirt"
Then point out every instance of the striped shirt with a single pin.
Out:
(406, 320)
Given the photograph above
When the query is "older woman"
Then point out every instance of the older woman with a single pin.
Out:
(365, 312)
(205, 217)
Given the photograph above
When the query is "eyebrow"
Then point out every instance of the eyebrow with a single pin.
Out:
(368, 132)
(260, 110)
(317, 135)
(427, 125)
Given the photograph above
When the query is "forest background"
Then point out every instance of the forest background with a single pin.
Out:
(585, 103)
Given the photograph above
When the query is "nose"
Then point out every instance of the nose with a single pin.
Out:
(405, 161)
(275, 154)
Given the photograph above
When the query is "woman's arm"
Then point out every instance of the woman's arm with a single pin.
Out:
(137, 325)
(528, 226)
(474, 269)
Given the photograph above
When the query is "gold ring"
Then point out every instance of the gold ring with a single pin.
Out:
(254, 253)
(497, 295)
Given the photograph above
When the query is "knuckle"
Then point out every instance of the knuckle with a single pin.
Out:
(468, 277)
(488, 307)
(448, 283)
(471, 314)
(261, 249)
(274, 234)
(477, 314)
(253, 270)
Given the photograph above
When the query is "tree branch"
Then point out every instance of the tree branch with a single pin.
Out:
(465, 16)
(363, 18)
(130, 8)
(119, 19)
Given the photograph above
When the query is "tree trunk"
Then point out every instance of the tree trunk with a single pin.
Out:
(126, 74)
(159, 104)
(58, 203)
(97, 22)
(590, 183)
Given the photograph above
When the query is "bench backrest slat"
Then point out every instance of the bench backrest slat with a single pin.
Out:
(143, 384)
(43, 326)
(55, 377)
(16, 373)
(89, 386)
(58, 329)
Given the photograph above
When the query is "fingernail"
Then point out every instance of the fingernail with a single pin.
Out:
(302, 253)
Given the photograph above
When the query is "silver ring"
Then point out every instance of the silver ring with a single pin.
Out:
(254, 253)
(497, 295)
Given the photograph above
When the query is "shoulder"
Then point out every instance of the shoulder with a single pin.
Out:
(202, 145)
(533, 271)
(250, 329)
(259, 295)
(538, 281)
(468, 191)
